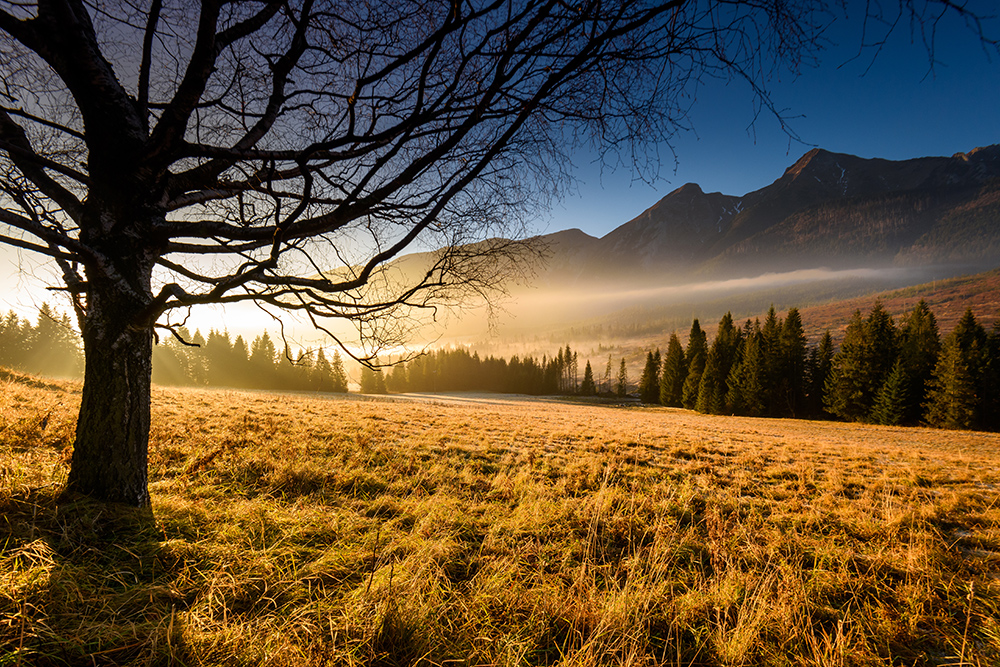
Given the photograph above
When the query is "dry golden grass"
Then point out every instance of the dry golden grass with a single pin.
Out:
(296, 530)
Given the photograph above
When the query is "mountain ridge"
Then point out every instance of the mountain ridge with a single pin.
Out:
(834, 208)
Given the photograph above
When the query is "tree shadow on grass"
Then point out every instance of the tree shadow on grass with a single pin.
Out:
(85, 583)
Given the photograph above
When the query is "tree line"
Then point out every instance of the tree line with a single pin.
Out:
(49, 347)
(882, 373)
(52, 348)
(462, 370)
(217, 361)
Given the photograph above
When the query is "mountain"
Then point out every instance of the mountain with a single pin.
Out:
(827, 209)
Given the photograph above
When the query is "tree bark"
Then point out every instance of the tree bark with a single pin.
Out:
(112, 433)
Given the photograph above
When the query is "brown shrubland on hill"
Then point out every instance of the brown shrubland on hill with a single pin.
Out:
(473, 530)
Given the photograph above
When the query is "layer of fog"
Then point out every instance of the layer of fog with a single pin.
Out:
(545, 311)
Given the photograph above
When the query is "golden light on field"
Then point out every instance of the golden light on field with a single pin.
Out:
(475, 529)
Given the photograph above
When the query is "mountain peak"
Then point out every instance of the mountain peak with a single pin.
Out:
(689, 188)
(813, 159)
(991, 152)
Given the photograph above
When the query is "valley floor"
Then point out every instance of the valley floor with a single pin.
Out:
(497, 530)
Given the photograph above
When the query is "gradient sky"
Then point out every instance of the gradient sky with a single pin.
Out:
(892, 107)
(897, 109)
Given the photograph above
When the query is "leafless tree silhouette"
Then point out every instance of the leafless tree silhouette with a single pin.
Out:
(169, 153)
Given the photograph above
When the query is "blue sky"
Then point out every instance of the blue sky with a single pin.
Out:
(894, 109)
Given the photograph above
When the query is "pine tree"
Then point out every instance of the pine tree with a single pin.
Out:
(718, 364)
(694, 360)
(746, 381)
(883, 347)
(621, 387)
(674, 372)
(919, 346)
(367, 381)
(951, 395)
(846, 386)
(891, 401)
(338, 375)
(790, 368)
(587, 387)
(955, 393)
(649, 386)
(770, 345)
(817, 374)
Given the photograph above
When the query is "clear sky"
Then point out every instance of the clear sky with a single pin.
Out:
(892, 107)
(897, 109)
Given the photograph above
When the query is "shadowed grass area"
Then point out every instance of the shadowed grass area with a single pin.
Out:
(292, 530)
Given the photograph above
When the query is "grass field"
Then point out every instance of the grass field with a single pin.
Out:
(302, 530)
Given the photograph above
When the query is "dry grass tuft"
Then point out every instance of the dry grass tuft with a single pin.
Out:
(291, 530)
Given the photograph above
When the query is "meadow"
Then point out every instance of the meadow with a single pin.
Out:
(468, 530)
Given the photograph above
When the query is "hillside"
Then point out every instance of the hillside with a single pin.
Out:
(948, 300)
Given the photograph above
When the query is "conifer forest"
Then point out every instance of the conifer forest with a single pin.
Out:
(883, 371)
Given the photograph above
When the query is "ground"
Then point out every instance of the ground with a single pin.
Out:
(497, 530)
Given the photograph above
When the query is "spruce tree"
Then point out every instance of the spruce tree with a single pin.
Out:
(587, 387)
(990, 381)
(771, 347)
(954, 397)
(919, 346)
(621, 387)
(790, 367)
(321, 373)
(694, 359)
(649, 386)
(712, 386)
(397, 380)
(818, 369)
(11, 346)
(883, 346)
(892, 399)
(338, 375)
(673, 374)
(846, 386)
(263, 361)
(951, 395)
(746, 381)
(372, 380)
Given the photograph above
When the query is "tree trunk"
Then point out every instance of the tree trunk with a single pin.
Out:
(112, 432)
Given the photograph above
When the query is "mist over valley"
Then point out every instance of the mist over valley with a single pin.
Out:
(832, 227)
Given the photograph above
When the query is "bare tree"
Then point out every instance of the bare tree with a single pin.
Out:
(169, 153)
